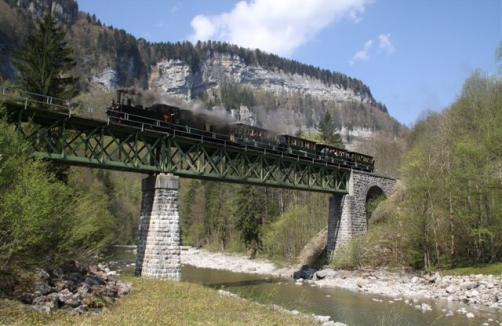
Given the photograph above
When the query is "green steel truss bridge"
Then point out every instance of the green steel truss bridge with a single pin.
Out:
(73, 134)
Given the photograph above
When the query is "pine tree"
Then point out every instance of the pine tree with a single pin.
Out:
(329, 132)
(248, 219)
(45, 60)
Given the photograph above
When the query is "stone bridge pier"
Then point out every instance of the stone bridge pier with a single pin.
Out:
(347, 213)
(158, 250)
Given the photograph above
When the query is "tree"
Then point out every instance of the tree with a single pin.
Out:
(451, 202)
(248, 218)
(329, 132)
(216, 220)
(299, 132)
(44, 63)
(45, 221)
(476, 121)
(45, 60)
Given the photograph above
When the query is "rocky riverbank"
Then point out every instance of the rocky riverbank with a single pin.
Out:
(474, 293)
(77, 287)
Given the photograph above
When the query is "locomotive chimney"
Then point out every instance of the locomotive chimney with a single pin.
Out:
(119, 94)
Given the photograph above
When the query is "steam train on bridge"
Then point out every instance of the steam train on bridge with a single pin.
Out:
(163, 117)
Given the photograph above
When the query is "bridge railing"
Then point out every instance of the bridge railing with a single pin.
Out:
(34, 100)
(29, 99)
(146, 123)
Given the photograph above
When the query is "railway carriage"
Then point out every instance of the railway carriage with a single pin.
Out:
(300, 146)
(167, 118)
(241, 133)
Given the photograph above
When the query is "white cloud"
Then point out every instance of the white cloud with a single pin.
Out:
(204, 27)
(364, 55)
(384, 43)
(278, 26)
(368, 52)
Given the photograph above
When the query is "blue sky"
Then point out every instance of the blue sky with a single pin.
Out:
(414, 55)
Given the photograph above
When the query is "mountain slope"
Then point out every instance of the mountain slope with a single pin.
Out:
(272, 91)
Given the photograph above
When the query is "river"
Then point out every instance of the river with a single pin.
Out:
(345, 306)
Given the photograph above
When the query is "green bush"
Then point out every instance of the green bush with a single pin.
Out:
(44, 220)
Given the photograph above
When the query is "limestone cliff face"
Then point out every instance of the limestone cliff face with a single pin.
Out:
(176, 78)
(173, 78)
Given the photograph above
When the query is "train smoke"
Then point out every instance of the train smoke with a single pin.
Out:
(147, 98)
(279, 120)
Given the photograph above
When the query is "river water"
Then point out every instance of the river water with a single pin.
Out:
(345, 306)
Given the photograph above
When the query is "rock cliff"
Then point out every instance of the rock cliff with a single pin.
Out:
(288, 95)
(177, 79)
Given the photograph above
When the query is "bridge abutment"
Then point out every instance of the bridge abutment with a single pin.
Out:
(158, 250)
(347, 213)
(339, 222)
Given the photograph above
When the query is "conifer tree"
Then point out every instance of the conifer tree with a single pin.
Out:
(248, 218)
(329, 132)
(45, 61)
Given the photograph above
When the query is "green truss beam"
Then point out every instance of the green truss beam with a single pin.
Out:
(75, 140)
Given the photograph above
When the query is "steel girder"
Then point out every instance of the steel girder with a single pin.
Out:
(75, 140)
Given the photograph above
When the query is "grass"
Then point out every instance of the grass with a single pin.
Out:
(161, 302)
(495, 269)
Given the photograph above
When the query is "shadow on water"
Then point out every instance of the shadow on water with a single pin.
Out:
(349, 307)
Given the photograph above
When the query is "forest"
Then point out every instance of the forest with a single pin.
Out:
(447, 211)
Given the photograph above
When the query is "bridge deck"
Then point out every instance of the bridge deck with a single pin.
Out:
(56, 134)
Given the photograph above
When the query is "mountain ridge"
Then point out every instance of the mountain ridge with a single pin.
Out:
(108, 59)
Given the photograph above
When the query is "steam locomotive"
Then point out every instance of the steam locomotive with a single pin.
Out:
(163, 117)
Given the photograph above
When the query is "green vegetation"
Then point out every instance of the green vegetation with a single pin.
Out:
(275, 223)
(448, 212)
(45, 60)
(329, 132)
(232, 97)
(494, 269)
(248, 217)
(42, 216)
(161, 302)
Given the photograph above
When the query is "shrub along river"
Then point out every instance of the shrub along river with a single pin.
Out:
(349, 307)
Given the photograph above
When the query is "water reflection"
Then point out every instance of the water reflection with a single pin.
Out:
(349, 307)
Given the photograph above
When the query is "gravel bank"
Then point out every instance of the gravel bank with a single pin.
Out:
(474, 292)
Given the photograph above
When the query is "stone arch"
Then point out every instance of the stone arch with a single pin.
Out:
(347, 213)
(374, 186)
(373, 192)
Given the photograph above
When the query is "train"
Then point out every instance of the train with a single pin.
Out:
(168, 118)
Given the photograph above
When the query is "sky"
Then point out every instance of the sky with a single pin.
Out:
(414, 55)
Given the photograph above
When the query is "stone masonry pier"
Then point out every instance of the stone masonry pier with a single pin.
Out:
(158, 251)
(347, 213)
